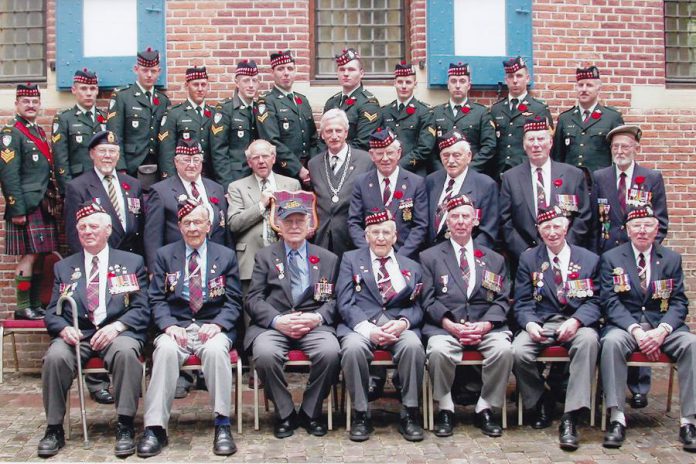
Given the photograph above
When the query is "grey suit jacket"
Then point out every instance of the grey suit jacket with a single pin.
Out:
(332, 232)
(245, 218)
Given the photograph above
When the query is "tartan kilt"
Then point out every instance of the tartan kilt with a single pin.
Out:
(39, 235)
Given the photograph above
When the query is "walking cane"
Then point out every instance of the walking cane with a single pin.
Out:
(80, 387)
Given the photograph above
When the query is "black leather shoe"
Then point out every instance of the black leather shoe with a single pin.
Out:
(40, 311)
(615, 436)
(223, 445)
(541, 414)
(28, 314)
(375, 387)
(409, 427)
(52, 442)
(484, 421)
(639, 401)
(444, 423)
(125, 440)
(313, 426)
(568, 433)
(284, 428)
(152, 442)
(102, 396)
(360, 426)
(687, 435)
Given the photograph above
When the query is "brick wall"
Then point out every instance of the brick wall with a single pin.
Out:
(626, 42)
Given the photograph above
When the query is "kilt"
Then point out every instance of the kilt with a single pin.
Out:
(38, 235)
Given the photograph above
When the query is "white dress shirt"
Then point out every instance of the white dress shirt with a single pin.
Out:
(470, 260)
(119, 194)
(563, 259)
(393, 184)
(103, 257)
(546, 175)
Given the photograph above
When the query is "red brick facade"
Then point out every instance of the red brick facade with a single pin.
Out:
(624, 39)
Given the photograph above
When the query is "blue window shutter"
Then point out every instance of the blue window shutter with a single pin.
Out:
(487, 71)
(112, 71)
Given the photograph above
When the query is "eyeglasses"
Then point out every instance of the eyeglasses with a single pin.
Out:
(195, 160)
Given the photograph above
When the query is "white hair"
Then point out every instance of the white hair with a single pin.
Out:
(334, 113)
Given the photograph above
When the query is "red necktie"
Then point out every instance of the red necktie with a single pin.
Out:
(558, 280)
(622, 192)
(386, 289)
(541, 193)
(195, 283)
(387, 192)
(93, 288)
(642, 272)
(194, 191)
(464, 266)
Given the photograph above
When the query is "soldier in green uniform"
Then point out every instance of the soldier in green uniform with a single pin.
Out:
(31, 193)
(411, 120)
(509, 115)
(361, 107)
(134, 116)
(285, 119)
(472, 119)
(234, 127)
(74, 127)
(581, 132)
(189, 119)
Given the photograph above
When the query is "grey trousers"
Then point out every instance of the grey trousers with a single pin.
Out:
(444, 351)
(617, 345)
(168, 359)
(583, 350)
(121, 359)
(409, 357)
(269, 353)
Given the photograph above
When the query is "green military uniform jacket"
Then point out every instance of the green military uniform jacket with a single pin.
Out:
(414, 129)
(475, 122)
(585, 144)
(136, 123)
(25, 171)
(232, 130)
(72, 131)
(509, 130)
(364, 116)
(288, 124)
(180, 121)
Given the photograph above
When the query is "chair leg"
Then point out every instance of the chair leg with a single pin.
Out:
(670, 387)
(426, 404)
(14, 351)
(504, 411)
(593, 398)
(603, 426)
(238, 397)
(348, 410)
(330, 408)
(334, 403)
(256, 398)
(343, 393)
(520, 411)
(2, 353)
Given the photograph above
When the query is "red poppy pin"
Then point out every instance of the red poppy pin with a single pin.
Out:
(406, 273)
(155, 101)
(298, 100)
(478, 253)
(101, 119)
(125, 186)
(558, 182)
(111, 275)
(375, 210)
(214, 200)
(23, 286)
(466, 109)
(573, 275)
(596, 114)
(522, 107)
(410, 110)
(207, 113)
(350, 101)
(640, 180)
(398, 194)
(314, 259)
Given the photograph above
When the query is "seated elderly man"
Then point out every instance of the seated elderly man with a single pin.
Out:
(465, 299)
(379, 302)
(645, 307)
(557, 302)
(196, 301)
(291, 304)
(113, 315)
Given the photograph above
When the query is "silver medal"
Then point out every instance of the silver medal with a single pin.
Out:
(334, 198)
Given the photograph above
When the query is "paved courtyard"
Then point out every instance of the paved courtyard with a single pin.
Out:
(652, 436)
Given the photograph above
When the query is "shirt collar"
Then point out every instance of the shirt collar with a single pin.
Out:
(342, 153)
(142, 89)
(301, 250)
(284, 92)
(391, 254)
(85, 110)
(101, 176)
(646, 253)
(590, 109)
(459, 178)
(392, 178)
(405, 103)
(352, 92)
(520, 99)
(463, 104)
(103, 256)
(628, 171)
(202, 250)
(188, 182)
(243, 101)
(546, 167)
(194, 105)
(468, 246)
(270, 179)
(563, 255)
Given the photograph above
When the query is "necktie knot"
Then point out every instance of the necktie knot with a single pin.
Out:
(457, 108)
(89, 114)
(513, 103)
(450, 185)
(95, 261)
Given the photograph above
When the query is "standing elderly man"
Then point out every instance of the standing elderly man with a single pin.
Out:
(378, 298)
(291, 302)
(108, 287)
(465, 299)
(645, 307)
(333, 175)
(196, 301)
(458, 179)
(537, 184)
(393, 188)
(557, 302)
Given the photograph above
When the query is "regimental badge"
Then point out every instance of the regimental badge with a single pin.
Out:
(6, 140)
(417, 289)
(240, 134)
(356, 281)
(286, 125)
(216, 287)
(621, 282)
(281, 270)
(186, 135)
(133, 205)
(323, 290)
(123, 283)
(444, 280)
(579, 288)
(406, 208)
(638, 197)
(67, 289)
(568, 203)
(35, 157)
(604, 208)
(135, 124)
(76, 274)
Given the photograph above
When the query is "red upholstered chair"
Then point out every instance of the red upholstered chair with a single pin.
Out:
(295, 358)
(469, 358)
(638, 359)
(552, 354)
(11, 327)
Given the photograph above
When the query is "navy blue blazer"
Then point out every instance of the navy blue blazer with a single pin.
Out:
(623, 307)
(445, 296)
(356, 306)
(411, 223)
(517, 213)
(482, 190)
(604, 190)
(528, 309)
(169, 307)
(161, 223)
(132, 308)
(88, 187)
